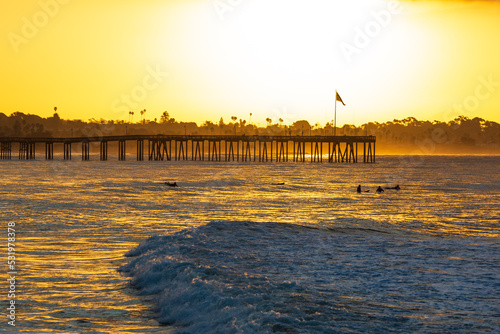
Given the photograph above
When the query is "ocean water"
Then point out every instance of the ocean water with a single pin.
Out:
(106, 247)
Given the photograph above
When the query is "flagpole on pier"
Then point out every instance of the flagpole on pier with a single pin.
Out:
(335, 116)
(337, 98)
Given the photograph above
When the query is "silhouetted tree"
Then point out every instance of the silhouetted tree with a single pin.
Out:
(165, 117)
(143, 118)
(17, 128)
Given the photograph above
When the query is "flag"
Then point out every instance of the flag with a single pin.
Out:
(338, 98)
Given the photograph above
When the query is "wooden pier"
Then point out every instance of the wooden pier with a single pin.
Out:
(255, 148)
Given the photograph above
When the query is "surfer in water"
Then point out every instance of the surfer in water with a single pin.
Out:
(359, 190)
(396, 187)
(170, 184)
(380, 190)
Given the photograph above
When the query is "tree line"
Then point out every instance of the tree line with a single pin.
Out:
(398, 136)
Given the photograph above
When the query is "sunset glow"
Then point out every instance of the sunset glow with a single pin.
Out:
(202, 60)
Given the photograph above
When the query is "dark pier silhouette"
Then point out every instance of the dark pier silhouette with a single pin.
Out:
(255, 148)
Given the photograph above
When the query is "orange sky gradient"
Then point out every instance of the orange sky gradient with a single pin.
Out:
(205, 59)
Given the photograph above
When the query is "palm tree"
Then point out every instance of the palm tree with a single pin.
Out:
(142, 114)
(164, 117)
(269, 121)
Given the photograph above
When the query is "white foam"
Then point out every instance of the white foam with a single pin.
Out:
(246, 277)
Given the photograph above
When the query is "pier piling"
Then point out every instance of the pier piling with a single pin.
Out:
(103, 149)
(85, 151)
(6, 151)
(67, 151)
(49, 151)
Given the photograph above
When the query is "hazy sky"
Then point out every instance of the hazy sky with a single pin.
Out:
(206, 59)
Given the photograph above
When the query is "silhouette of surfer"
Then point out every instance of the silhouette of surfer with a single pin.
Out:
(359, 190)
(395, 188)
(171, 184)
(380, 190)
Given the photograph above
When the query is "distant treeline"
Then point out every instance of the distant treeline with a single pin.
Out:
(409, 135)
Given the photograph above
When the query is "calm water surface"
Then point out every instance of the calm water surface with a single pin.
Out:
(231, 252)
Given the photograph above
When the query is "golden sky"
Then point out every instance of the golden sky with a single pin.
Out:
(205, 59)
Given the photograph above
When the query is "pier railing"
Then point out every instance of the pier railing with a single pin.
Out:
(262, 148)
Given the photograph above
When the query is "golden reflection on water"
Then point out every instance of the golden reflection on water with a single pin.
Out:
(74, 284)
(73, 238)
